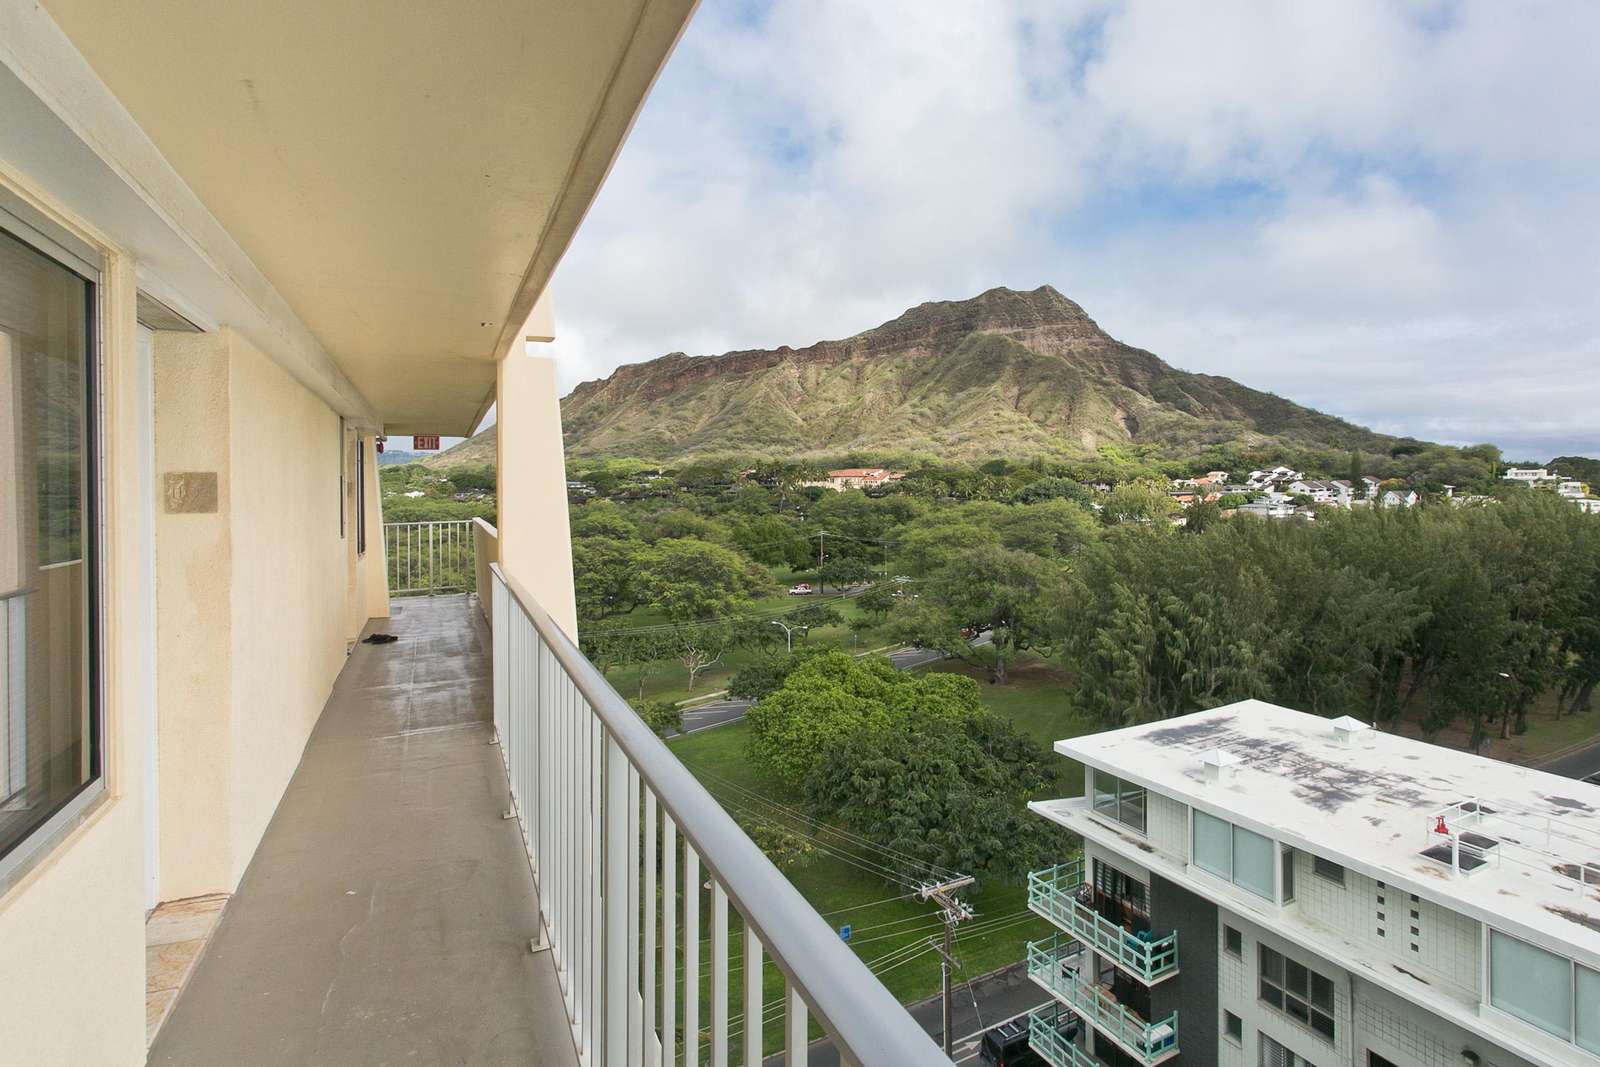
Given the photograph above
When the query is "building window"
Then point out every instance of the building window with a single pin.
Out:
(1233, 941)
(1121, 801)
(1297, 991)
(1113, 886)
(1288, 875)
(1275, 1055)
(1534, 985)
(1233, 1027)
(1328, 869)
(361, 499)
(1241, 856)
(49, 708)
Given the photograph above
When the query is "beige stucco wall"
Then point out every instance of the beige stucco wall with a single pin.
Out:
(72, 927)
(256, 603)
(535, 543)
(194, 615)
(288, 632)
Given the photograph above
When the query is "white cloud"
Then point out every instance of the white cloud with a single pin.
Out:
(1385, 210)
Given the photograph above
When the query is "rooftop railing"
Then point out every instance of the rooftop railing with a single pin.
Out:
(1057, 966)
(627, 848)
(1059, 895)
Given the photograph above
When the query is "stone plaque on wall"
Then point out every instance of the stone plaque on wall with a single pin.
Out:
(191, 493)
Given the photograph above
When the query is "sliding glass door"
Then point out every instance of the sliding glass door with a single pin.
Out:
(49, 715)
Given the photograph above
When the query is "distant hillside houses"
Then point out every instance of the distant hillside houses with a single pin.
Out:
(1552, 481)
(858, 478)
(1284, 493)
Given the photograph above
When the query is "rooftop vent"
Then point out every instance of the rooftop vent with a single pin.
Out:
(1350, 731)
(1219, 765)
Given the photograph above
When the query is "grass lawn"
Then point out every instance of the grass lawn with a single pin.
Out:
(886, 931)
(1547, 735)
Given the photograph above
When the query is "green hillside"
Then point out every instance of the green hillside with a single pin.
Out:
(1006, 373)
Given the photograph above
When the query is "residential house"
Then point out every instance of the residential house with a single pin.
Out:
(1399, 498)
(858, 478)
(238, 244)
(1277, 476)
(1527, 475)
(1263, 886)
(1572, 490)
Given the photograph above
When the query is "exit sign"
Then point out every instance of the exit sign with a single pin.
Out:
(425, 442)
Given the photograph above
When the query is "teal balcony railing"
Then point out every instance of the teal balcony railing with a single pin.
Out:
(1061, 895)
(1053, 1033)
(1057, 965)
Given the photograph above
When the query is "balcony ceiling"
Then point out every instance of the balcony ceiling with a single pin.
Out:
(406, 175)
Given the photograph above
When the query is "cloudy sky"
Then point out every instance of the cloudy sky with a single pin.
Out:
(1386, 210)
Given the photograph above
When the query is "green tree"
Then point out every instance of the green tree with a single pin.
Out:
(1008, 601)
(688, 579)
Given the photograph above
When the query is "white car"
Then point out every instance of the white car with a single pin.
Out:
(803, 589)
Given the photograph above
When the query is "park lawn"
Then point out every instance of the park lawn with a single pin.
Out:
(843, 893)
(1547, 735)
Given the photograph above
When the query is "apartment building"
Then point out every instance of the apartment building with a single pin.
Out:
(1259, 886)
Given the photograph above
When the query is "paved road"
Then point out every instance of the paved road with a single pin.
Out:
(1000, 997)
(1584, 763)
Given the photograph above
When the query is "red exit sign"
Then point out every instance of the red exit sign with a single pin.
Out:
(425, 442)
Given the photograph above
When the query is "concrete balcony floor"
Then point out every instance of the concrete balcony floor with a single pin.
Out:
(387, 913)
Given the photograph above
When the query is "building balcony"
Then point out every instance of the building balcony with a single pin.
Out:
(486, 856)
(1054, 1033)
(1062, 895)
(1058, 966)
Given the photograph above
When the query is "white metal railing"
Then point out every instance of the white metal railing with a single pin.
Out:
(424, 558)
(626, 848)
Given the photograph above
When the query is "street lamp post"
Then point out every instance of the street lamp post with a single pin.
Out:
(788, 632)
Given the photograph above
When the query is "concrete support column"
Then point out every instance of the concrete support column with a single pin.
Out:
(535, 543)
(194, 594)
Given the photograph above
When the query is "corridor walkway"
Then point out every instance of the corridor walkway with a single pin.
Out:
(387, 914)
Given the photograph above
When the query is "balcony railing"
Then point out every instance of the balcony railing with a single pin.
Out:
(1053, 1033)
(615, 825)
(1059, 893)
(1057, 965)
(425, 558)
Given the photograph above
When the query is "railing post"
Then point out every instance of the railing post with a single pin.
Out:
(616, 906)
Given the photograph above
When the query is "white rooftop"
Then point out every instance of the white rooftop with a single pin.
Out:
(1373, 806)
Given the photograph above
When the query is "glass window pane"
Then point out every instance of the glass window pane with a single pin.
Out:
(1288, 875)
(1271, 965)
(1295, 978)
(1530, 983)
(48, 749)
(1322, 1024)
(1271, 994)
(1588, 1009)
(1252, 862)
(1105, 793)
(1213, 845)
(1321, 992)
(1132, 811)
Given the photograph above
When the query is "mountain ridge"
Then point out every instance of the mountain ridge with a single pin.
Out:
(1007, 372)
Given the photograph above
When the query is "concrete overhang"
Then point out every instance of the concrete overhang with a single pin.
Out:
(406, 176)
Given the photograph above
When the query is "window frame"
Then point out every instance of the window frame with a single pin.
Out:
(1284, 984)
(36, 232)
(1232, 1028)
(1117, 802)
(1324, 868)
(361, 499)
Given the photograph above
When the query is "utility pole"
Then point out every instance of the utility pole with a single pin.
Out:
(822, 536)
(955, 911)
